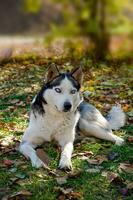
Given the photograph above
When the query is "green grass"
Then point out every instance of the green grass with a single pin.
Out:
(21, 81)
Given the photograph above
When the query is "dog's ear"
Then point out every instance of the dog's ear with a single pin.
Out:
(77, 74)
(52, 72)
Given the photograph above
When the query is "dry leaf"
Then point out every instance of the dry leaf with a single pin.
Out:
(43, 156)
(62, 197)
(98, 160)
(5, 151)
(63, 191)
(14, 101)
(112, 177)
(93, 161)
(20, 195)
(126, 167)
(86, 153)
(7, 162)
(75, 174)
(62, 179)
(130, 185)
(67, 193)
(75, 195)
(130, 139)
(93, 170)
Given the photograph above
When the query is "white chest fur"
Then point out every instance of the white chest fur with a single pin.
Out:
(51, 125)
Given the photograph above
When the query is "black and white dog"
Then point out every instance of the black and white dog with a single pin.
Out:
(58, 109)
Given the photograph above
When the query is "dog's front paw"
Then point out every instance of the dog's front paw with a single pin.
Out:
(119, 141)
(65, 164)
(37, 163)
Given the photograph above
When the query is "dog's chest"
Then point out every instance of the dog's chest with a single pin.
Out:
(52, 125)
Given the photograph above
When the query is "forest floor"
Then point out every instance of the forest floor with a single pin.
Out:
(101, 170)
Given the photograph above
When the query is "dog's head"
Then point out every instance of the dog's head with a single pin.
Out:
(63, 89)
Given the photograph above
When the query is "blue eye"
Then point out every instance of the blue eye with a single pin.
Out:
(58, 90)
(73, 91)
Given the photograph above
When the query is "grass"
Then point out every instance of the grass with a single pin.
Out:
(21, 79)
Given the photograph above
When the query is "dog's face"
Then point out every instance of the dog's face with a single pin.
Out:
(62, 91)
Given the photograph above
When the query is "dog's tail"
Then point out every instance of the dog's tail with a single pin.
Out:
(116, 117)
(93, 123)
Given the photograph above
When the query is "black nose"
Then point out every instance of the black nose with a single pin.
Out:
(67, 106)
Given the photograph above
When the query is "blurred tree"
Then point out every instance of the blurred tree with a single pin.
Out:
(96, 19)
(32, 6)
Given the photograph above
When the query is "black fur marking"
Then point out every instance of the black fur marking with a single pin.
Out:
(74, 82)
(57, 80)
(39, 101)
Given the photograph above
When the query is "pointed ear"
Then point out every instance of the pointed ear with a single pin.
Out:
(52, 72)
(77, 74)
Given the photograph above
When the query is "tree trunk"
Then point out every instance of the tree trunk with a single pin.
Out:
(100, 37)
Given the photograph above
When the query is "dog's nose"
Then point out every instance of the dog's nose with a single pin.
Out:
(67, 106)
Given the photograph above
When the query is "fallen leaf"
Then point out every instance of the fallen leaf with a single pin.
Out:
(14, 101)
(13, 180)
(74, 195)
(43, 156)
(20, 195)
(20, 103)
(130, 185)
(93, 170)
(130, 139)
(93, 161)
(75, 174)
(5, 151)
(62, 190)
(98, 160)
(21, 182)
(86, 153)
(62, 197)
(62, 180)
(7, 162)
(20, 163)
(112, 177)
(126, 167)
(67, 193)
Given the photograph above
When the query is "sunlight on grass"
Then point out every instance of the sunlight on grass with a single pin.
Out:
(19, 85)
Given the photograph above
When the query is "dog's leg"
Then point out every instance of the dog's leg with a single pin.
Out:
(94, 129)
(65, 160)
(27, 149)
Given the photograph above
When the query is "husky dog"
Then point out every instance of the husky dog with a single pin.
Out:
(56, 112)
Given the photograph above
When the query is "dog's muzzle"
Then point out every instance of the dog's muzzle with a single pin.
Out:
(67, 106)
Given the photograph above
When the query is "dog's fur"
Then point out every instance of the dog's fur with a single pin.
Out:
(58, 110)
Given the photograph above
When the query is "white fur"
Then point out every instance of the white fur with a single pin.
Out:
(57, 99)
(53, 124)
(60, 126)
(96, 130)
(93, 123)
(116, 117)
